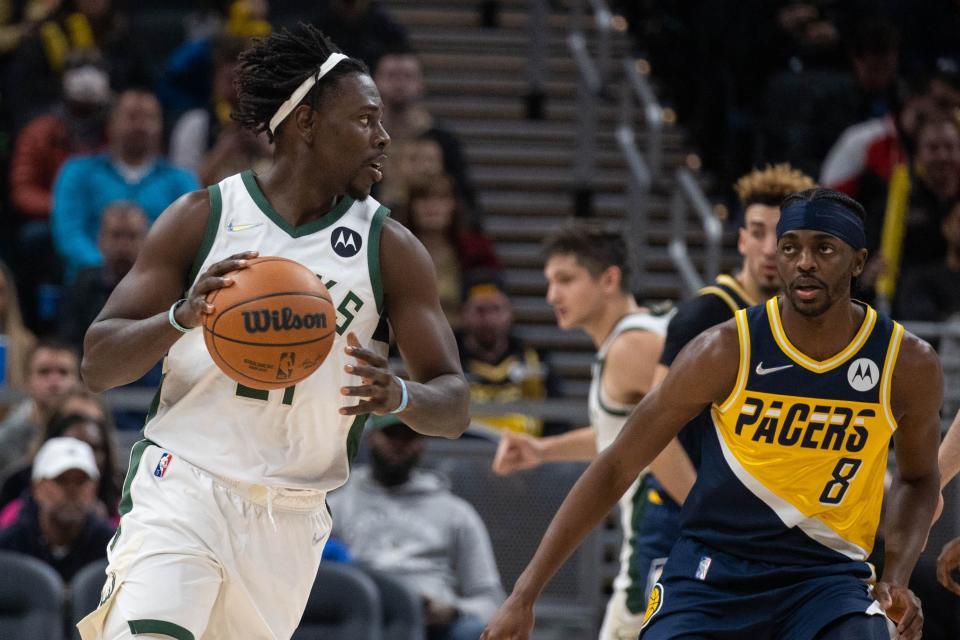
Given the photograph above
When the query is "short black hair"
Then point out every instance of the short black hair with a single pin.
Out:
(273, 67)
(821, 193)
(596, 248)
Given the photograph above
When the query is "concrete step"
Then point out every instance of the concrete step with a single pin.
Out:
(520, 229)
(507, 108)
(528, 255)
(484, 84)
(568, 364)
(528, 204)
(546, 133)
(479, 154)
(413, 16)
(493, 61)
(549, 337)
(551, 179)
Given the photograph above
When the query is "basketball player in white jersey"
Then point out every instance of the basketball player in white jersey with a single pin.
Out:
(223, 512)
(588, 287)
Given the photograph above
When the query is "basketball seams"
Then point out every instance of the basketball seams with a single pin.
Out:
(271, 344)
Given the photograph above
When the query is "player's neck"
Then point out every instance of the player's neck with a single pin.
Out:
(824, 336)
(600, 327)
(298, 198)
(750, 286)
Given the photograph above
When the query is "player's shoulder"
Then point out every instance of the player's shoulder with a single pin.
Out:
(698, 313)
(916, 359)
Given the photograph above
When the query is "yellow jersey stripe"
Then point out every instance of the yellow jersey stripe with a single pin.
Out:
(886, 381)
(732, 282)
(817, 366)
(743, 334)
(723, 295)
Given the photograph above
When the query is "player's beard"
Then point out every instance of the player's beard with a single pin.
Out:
(391, 473)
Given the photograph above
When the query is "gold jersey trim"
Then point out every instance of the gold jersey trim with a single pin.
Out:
(734, 284)
(886, 382)
(723, 295)
(817, 366)
(743, 372)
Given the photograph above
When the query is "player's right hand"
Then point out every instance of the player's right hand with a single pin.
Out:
(947, 563)
(190, 313)
(903, 607)
(512, 621)
(516, 452)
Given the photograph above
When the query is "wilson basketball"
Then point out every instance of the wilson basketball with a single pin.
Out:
(273, 327)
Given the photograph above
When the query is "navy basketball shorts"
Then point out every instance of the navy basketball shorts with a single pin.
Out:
(705, 594)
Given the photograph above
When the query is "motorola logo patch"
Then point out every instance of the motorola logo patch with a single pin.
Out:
(346, 242)
(863, 374)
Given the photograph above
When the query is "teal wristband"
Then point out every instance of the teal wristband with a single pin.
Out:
(173, 321)
(404, 396)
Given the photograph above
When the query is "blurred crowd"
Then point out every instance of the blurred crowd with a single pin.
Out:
(864, 94)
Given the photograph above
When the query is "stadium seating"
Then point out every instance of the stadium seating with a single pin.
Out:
(31, 597)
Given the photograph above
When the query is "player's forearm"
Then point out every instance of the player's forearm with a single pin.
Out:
(949, 455)
(439, 407)
(574, 446)
(117, 351)
(588, 502)
(911, 506)
(673, 469)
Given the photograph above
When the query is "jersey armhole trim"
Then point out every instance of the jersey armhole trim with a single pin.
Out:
(723, 295)
(886, 382)
(743, 372)
(209, 234)
(373, 255)
(159, 627)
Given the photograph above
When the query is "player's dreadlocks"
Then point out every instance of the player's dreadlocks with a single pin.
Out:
(273, 67)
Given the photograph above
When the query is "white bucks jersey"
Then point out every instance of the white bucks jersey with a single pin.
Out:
(607, 417)
(293, 437)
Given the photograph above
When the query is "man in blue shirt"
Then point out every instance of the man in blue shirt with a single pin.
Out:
(132, 169)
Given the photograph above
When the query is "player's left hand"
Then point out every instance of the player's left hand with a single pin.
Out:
(380, 393)
(901, 606)
(947, 563)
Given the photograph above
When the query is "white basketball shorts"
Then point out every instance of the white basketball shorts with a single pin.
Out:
(198, 557)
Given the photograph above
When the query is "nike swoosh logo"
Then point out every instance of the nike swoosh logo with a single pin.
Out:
(243, 226)
(762, 372)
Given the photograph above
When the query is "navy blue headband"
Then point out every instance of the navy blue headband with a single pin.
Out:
(828, 216)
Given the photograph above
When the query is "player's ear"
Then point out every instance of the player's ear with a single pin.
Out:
(859, 260)
(611, 277)
(304, 118)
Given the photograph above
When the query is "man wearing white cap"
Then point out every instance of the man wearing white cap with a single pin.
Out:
(58, 524)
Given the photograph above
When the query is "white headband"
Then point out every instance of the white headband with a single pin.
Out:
(287, 107)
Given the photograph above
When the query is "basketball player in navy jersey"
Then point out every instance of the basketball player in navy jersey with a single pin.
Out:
(223, 513)
(798, 399)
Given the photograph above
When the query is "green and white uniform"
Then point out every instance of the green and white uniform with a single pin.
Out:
(223, 513)
(607, 418)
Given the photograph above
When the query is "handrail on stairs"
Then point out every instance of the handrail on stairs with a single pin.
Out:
(688, 193)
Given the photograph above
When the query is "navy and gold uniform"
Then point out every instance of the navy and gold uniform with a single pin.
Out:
(657, 514)
(777, 529)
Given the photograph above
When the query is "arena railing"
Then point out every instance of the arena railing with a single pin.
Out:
(689, 194)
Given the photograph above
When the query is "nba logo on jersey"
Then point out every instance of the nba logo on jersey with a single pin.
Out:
(703, 568)
(162, 465)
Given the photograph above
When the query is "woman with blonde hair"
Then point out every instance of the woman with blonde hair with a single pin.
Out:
(15, 338)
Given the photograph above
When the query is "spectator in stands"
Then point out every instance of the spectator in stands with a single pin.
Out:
(74, 126)
(806, 112)
(133, 169)
(932, 292)
(188, 76)
(399, 78)
(51, 369)
(366, 30)
(436, 216)
(497, 364)
(418, 160)
(59, 525)
(15, 338)
(404, 521)
(73, 420)
(206, 141)
(91, 28)
(123, 228)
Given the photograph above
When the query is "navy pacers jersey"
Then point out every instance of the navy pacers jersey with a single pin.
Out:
(793, 461)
